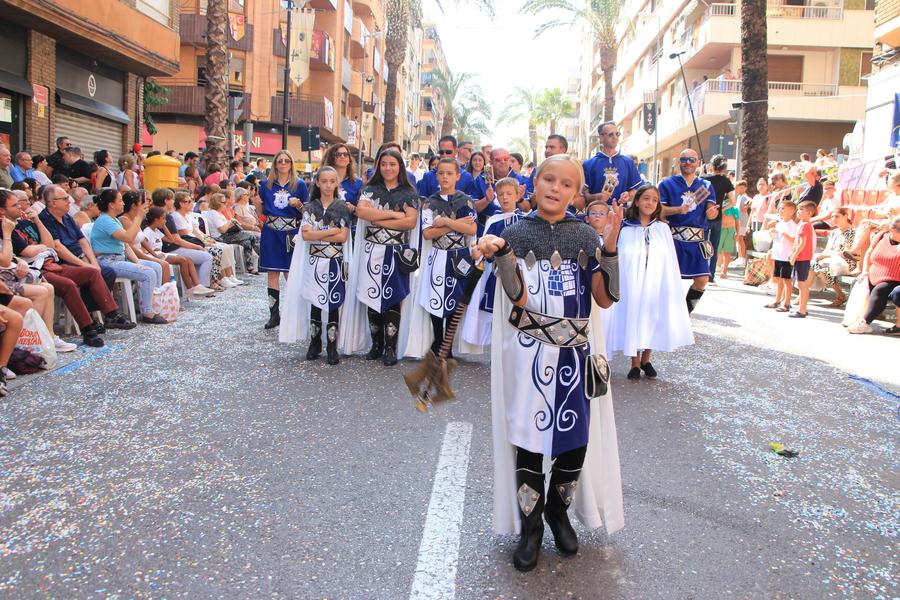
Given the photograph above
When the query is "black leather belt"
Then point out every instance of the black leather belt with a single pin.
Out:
(450, 241)
(384, 236)
(282, 223)
(556, 331)
(326, 250)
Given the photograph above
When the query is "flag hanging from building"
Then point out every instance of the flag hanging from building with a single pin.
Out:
(367, 122)
(895, 129)
(236, 26)
(301, 32)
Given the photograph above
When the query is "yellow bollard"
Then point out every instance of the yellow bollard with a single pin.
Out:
(160, 171)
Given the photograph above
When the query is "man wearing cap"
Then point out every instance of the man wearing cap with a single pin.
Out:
(609, 175)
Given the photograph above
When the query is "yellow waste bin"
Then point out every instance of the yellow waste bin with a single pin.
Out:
(161, 171)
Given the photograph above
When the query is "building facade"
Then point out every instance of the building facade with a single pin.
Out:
(881, 126)
(819, 56)
(347, 78)
(431, 108)
(62, 73)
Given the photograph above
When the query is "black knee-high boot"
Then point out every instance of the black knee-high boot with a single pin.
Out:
(331, 335)
(437, 326)
(376, 328)
(391, 333)
(315, 333)
(563, 481)
(274, 314)
(530, 496)
(693, 296)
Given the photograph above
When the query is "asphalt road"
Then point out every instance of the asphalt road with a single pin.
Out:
(205, 460)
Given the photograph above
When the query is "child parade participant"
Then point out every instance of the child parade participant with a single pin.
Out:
(448, 219)
(476, 326)
(549, 393)
(317, 276)
(651, 312)
(387, 211)
(688, 202)
(282, 195)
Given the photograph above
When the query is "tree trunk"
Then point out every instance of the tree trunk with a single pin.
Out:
(532, 141)
(755, 91)
(397, 16)
(216, 80)
(607, 66)
(447, 124)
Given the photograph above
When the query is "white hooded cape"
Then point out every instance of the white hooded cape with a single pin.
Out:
(598, 497)
(651, 313)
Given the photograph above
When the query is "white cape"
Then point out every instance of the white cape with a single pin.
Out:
(598, 497)
(651, 313)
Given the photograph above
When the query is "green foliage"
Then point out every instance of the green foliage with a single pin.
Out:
(154, 95)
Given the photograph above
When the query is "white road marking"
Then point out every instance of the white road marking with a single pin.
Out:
(435, 577)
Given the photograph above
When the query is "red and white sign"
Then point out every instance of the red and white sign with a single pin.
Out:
(261, 143)
(41, 95)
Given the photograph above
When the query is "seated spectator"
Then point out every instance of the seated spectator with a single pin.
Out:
(174, 243)
(881, 266)
(112, 245)
(192, 181)
(88, 212)
(153, 225)
(230, 231)
(27, 285)
(890, 208)
(33, 243)
(128, 175)
(21, 186)
(222, 253)
(103, 177)
(134, 210)
(237, 171)
(41, 169)
(21, 167)
(828, 205)
(214, 174)
(11, 326)
(837, 258)
(75, 198)
(244, 212)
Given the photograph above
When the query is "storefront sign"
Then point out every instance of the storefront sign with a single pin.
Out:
(41, 95)
(261, 142)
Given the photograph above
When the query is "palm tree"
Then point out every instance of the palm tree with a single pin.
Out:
(754, 91)
(469, 122)
(216, 78)
(553, 107)
(519, 144)
(600, 17)
(399, 14)
(522, 105)
(452, 87)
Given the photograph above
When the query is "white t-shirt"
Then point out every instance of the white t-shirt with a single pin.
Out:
(215, 219)
(41, 178)
(181, 222)
(154, 237)
(784, 247)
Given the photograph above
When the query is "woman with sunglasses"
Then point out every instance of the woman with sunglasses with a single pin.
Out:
(282, 195)
(341, 160)
(387, 210)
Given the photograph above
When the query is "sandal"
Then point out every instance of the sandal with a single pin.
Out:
(785, 308)
(773, 305)
(893, 331)
(838, 302)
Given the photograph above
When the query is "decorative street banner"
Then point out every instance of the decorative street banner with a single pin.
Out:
(301, 30)
(649, 117)
(367, 120)
(236, 26)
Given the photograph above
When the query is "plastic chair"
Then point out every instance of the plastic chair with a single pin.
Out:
(127, 294)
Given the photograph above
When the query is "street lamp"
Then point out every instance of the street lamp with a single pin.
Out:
(690, 102)
(363, 80)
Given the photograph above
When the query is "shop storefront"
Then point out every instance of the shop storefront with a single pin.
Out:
(14, 87)
(90, 99)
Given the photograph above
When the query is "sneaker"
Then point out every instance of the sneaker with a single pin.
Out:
(227, 283)
(116, 320)
(860, 327)
(713, 283)
(201, 290)
(9, 374)
(235, 280)
(63, 346)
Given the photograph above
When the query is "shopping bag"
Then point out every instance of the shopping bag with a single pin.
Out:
(756, 273)
(35, 337)
(857, 301)
(166, 302)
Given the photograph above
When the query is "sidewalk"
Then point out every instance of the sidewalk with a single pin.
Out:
(733, 310)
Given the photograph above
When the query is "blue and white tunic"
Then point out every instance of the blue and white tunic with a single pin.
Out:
(547, 410)
(323, 278)
(281, 226)
(688, 230)
(349, 190)
(495, 226)
(439, 287)
(381, 284)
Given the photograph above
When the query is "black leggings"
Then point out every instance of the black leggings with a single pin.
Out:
(533, 461)
(315, 314)
(879, 296)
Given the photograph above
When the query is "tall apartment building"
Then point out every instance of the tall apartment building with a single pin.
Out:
(348, 74)
(431, 109)
(884, 83)
(819, 55)
(62, 73)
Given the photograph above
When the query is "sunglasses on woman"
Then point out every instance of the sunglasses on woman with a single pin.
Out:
(342, 155)
(283, 161)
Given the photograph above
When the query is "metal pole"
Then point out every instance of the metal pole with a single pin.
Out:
(362, 92)
(229, 106)
(656, 100)
(287, 79)
(690, 105)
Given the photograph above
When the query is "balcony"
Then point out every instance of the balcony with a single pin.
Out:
(357, 39)
(326, 5)
(366, 8)
(189, 100)
(355, 88)
(303, 111)
(193, 32)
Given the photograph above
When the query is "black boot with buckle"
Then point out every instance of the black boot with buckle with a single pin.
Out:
(563, 482)
(274, 313)
(331, 335)
(530, 497)
(391, 333)
(377, 330)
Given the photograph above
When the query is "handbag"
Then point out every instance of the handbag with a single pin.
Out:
(756, 273)
(462, 265)
(23, 362)
(706, 249)
(407, 260)
(857, 301)
(596, 376)
(166, 302)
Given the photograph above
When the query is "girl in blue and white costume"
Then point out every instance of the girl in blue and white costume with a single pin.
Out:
(476, 326)
(388, 215)
(553, 275)
(448, 222)
(282, 195)
(317, 275)
(651, 313)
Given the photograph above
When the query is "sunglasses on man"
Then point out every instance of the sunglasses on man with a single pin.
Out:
(687, 160)
(445, 152)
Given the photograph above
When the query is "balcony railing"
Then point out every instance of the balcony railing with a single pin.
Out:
(189, 100)
(193, 31)
(305, 110)
(778, 9)
(777, 88)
